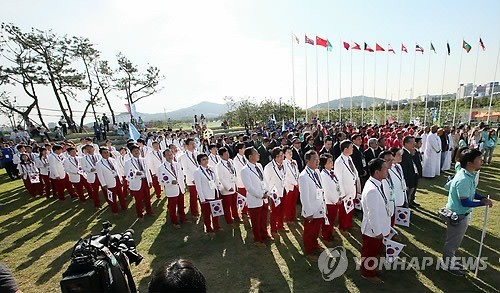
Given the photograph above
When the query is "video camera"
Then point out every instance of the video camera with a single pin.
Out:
(101, 263)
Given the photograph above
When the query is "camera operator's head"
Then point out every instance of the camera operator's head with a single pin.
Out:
(179, 276)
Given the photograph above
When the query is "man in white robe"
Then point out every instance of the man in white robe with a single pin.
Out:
(432, 155)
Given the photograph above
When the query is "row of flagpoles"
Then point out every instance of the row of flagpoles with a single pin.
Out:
(351, 46)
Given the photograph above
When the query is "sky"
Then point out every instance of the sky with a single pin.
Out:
(207, 50)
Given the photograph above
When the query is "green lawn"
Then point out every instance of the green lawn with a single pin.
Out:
(36, 238)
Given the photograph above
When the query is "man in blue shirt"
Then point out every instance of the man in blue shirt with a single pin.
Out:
(462, 197)
(7, 154)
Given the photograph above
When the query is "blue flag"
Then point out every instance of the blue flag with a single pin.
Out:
(132, 132)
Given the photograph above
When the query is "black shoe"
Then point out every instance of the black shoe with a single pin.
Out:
(415, 203)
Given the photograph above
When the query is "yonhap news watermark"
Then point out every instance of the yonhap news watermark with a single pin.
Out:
(333, 263)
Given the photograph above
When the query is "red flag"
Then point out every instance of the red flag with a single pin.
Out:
(346, 45)
(320, 42)
(355, 46)
(403, 48)
(309, 41)
(378, 47)
(390, 49)
(367, 48)
(127, 106)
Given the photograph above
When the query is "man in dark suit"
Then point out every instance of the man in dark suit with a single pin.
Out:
(372, 151)
(336, 148)
(327, 147)
(410, 170)
(381, 145)
(274, 141)
(359, 159)
(297, 154)
(310, 144)
(265, 155)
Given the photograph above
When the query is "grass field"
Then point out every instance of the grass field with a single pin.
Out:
(36, 238)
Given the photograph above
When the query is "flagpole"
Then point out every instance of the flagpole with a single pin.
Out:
(293, 81)
(413, 83)
(328, 82)
(493, 86)
(483, 233)
(307, 109)
(374, 83)
(363, 91)
(442, 87)
(340, 83)
(386, 87)
(473, 85)
(317, 84)
(399, 83)
(458, 86)
(427, 95)
(350, 112)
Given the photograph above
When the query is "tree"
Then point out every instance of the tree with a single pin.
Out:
(25, 71)
(55, 55)
(85, 51)
(104, 77)
(136, 85)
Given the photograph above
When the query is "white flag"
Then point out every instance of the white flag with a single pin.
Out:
(357, 202)
(392, 233)
(130, 174)
(348, 203)
(164, 179)
(216, 207)
(241, 201)
(403, 216)
(34, 178)
(392, 249)
(110, 196)
(274, 197)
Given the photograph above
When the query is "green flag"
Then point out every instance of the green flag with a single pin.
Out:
(329, 46)
(466, 46)
(432, 48)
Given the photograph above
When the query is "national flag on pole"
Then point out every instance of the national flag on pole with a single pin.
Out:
(346, 45)
(328, 46)
(482, 44)
(274, 196)
(392, 249)
(390, 49)
(355, 46)
(110, 196)
(378, 47)
(296, 39)
(432, 48)
(348, 203)
(466, 46)
(216, 208)
(357, 202)
(419, 49)
(309, 41)
(132, 132)
(367, 48)
(241, 201)
(403, 48)
(320, 42)
(448, 48)
(403, 216)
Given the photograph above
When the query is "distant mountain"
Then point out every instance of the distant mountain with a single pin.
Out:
(209, 109)
(357, 101)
